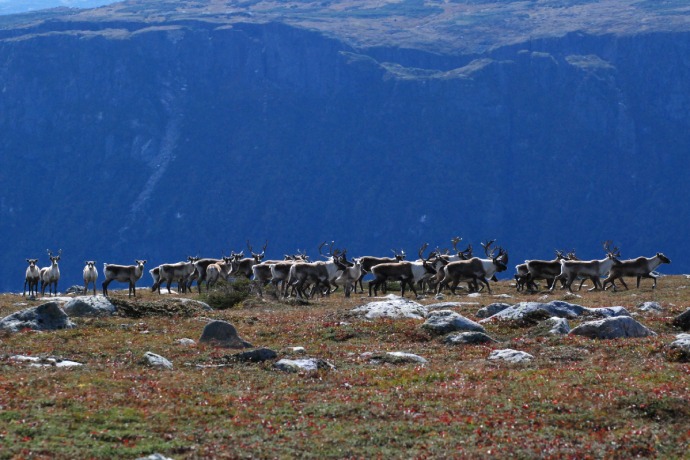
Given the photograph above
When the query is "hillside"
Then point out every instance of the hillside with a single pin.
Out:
(158, 130)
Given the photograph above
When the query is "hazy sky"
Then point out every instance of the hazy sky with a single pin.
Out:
(21, 6)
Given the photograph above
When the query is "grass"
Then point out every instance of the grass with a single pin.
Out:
(579, 398)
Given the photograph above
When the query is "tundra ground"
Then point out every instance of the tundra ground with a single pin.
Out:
(579, 398)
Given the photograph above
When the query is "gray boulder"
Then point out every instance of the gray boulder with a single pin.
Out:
(443, 305)
(223, 334)
(492, 309)
(445, 321)
(393, 307)
(46, 317)
(186, 342)
(682, 321)
(307, 364)
(558, 326)
(612, 328)
(650, 306)
(511, 356)
(681, 347)
(555, 308)
(90, 306)
(607, 312)
(467, 338)
(155, 360)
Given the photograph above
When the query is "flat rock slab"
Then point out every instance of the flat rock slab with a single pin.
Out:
(223, 334)
(511, 356)
(650, 306)
(90, 306)
(492, 309)
(49, 361)
(394, 357)
(393, 307)
(467, 338)
(612, 328)
(46, 317)
(555, 308)
(445, 321)
(307, 364)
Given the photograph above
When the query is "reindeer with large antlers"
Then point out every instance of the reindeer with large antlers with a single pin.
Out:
(592, 269)
(407, 273)
(474, 270)
(368, 262)
(245, 264)
(533, 270)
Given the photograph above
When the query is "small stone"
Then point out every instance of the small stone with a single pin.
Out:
(512, 356)
(223, 334)
(155, 360)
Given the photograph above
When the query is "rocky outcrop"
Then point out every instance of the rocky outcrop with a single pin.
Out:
(612, 328)
(46, 317)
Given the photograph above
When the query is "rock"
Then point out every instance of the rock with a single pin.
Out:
(155, 360)
(50, 361)
(650, 306)
(296, 350)
(682, 321)
(445, 321)
(256, 356)
(223, 334)
(681, 348)
(155, 457)
(612, 328)
(195, 303)
(442, 305)
(554, 308)
(512, 356)
(467, 338)
(607, 312)
(492, 309)
(79, 290)
(46, 317)
(89, 306)
(393, 307)
(307, 364)
(559, 326)
(186, 342)
(394, 357)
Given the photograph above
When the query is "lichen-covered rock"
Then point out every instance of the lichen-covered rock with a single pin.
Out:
(682, 321)
(612, 328)
(394, 357)
(90, 306)
(48, 361)
(155, 360)
(467, 338)
(307, 364)
(46, 317)
(681, 348)
(445, 321)
(393, 307)
(650, 306)
(510, 355)
(492, 309)
(223, 334)
(554, 308)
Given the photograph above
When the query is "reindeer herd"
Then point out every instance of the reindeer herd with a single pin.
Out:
(296, 275)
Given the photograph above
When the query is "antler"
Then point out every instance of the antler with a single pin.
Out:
(422, 249)
(486, 247)
(249, 246)
(455, 242)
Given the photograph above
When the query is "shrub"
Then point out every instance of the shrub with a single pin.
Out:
(226, 295)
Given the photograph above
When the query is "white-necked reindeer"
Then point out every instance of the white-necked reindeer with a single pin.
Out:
(51, 275)
(90, 275)
(124, 274)
(32, 277)
(592, 269)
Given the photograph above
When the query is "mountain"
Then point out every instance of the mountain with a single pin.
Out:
(157, 130)
(23, 6)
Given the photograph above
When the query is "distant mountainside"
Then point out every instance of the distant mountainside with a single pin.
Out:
(23, 6)
(157, 130)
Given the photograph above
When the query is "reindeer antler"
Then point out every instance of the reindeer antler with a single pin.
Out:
(486, 247)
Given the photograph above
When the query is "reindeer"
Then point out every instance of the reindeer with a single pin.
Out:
(533, 270)
(280, 272)
(368, 262)
(592, 269)
(407, 273)
(474, 270)
(245, 264)
(32, 277)
(179, 272)
(263, 272)
(123, 274)
(642, 267)
(443, 259)
(218, 270)
(349, 273)
(90, 275)
(199, 273)
(51, 275)
(317, 274)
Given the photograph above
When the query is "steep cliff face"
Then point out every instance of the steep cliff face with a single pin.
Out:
(126, 141)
